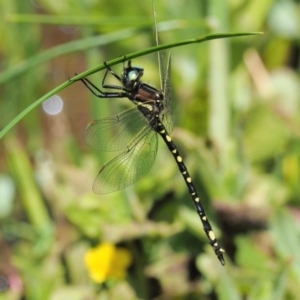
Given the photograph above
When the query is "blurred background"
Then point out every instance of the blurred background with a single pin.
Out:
(236, 112)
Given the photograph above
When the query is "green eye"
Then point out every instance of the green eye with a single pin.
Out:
(133, 75)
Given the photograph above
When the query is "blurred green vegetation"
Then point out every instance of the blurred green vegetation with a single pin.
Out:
(236, 110)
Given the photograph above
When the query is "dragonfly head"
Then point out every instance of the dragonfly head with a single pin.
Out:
(131, 76)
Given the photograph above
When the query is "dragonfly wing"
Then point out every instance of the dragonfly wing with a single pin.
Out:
(165, 76)
(129, 166)
(167, 113)
(114, 133)
(159, 54)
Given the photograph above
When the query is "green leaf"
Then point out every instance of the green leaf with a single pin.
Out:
(261, 291)
(285, 231)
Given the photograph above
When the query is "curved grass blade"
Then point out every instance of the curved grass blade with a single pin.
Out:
(117, 61)
(157, 48)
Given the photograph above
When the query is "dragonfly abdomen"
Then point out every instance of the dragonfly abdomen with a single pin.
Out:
(192, 190)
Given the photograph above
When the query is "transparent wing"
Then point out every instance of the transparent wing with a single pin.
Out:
(129, 166)
(159, 54)
(165, 81)
(167, 113)
(114, 133)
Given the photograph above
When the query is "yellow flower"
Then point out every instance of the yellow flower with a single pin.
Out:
(107, 261)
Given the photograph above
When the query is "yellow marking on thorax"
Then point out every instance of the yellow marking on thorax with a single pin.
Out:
(148, 106)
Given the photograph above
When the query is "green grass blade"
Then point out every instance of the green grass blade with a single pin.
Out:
(133, 55)
(117, 61)
(30, 194)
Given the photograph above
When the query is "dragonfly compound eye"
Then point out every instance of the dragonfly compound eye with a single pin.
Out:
(133, 75)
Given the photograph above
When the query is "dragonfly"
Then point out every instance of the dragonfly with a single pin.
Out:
(134, 133)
